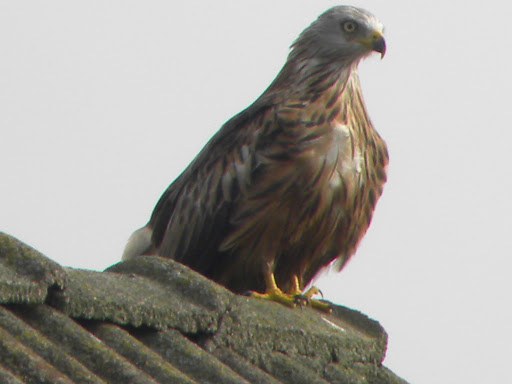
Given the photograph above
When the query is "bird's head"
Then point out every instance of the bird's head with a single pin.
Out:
(342, 33)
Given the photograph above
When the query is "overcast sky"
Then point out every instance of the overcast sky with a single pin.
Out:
(104, 103)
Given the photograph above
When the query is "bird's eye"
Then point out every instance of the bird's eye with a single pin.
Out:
(349, 26)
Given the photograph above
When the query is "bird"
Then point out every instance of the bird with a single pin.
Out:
(288, 186)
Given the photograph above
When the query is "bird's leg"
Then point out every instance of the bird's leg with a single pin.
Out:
(296, 292)
(295, 296)
(295, 288)
(273, 292)
(306, 297)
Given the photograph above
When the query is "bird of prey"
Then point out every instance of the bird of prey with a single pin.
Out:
(289, 185)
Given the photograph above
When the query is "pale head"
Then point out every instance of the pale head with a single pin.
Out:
(342, 33)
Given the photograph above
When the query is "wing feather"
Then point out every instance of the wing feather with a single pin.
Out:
(195, 213)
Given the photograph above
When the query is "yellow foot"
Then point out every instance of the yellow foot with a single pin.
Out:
(306, 297)
(321, 305)
(294, 297)
(275, 294)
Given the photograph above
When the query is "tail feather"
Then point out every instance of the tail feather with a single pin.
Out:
(139, 244)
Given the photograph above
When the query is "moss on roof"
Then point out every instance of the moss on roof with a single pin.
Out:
(153, 320)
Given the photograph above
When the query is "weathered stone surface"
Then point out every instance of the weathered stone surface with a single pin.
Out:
(190, 358)
(76, 341)
(40, 346)
(274, 337)
(139, 354)
(25, 274)
(127, 298)
(152, 320)
(243, 367)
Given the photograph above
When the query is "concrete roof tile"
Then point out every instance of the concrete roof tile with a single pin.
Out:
(153, 320)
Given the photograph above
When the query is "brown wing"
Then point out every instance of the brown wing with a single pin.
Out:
(194, 214)
(247, 196)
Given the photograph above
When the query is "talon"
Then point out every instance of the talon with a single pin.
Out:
(321, 305)
(294, 296)
(312, 291)
(301, 300)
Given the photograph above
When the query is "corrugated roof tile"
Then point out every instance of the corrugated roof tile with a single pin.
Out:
(152, 320)
(39, 345)
(25, 275)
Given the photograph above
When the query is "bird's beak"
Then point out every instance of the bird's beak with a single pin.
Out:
(374, 42)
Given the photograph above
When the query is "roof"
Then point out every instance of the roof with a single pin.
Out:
(153, 320)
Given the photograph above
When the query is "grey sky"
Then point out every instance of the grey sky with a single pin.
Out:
(103, 104)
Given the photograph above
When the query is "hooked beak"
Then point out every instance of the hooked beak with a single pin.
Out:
(374, 42)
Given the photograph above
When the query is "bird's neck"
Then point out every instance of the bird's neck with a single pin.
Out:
(311, 77)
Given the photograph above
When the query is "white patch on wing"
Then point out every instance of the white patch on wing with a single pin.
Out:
(227, 179)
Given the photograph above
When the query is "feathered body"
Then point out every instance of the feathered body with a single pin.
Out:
(287, 186)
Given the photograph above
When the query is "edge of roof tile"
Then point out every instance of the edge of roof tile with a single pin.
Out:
(26, 275)
(173, 296)
(167, 306)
